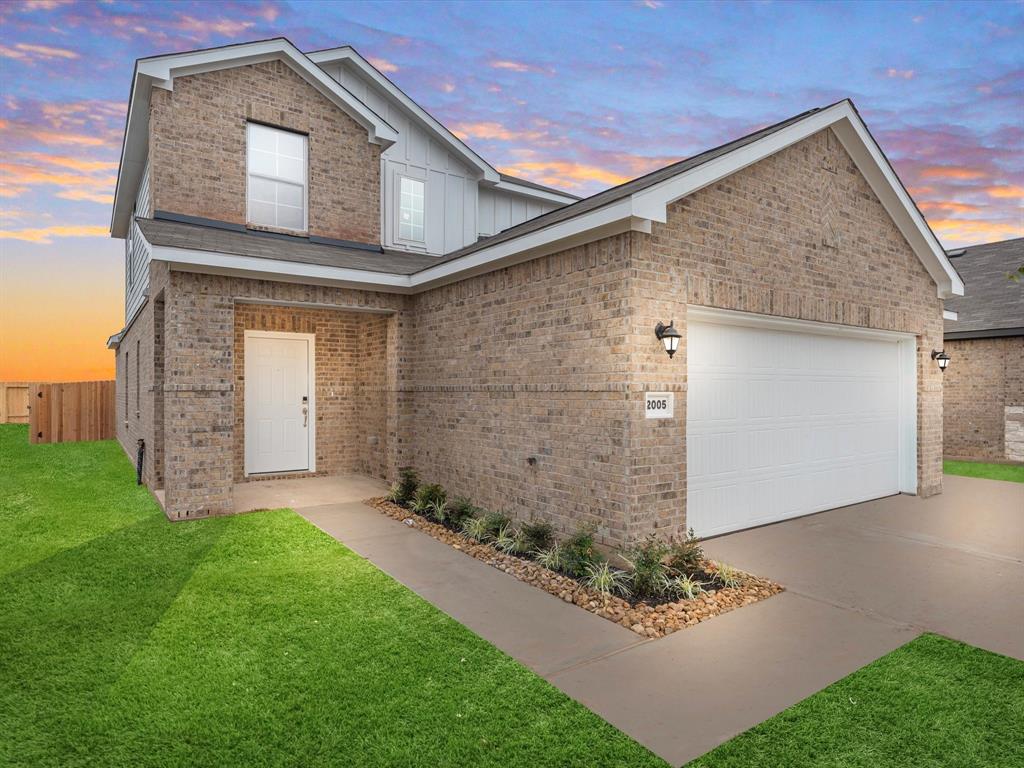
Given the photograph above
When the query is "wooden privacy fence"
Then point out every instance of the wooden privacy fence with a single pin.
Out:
(14, 402)
(63, 413)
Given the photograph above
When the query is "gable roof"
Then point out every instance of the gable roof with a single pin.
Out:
(992, 304)
(633, 206)
(488, 173)
(160, 71)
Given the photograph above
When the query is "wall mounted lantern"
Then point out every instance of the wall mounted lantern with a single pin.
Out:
(940, 356)
(669, 336)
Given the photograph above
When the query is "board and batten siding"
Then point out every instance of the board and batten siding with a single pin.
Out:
(450, 186)
(499, 210)
(137, 255)
(457, 209)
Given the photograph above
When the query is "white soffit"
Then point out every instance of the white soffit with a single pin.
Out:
(160, 71)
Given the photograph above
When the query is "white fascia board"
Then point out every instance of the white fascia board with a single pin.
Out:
(347, 53)
(539, 194)
(211, 262)
(134, 152)
(949, 314)
(653, 202)
(164, 68)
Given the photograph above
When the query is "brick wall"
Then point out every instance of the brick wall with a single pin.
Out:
(528, 361)
(139, 380)
(985, 378)
(350, 400)
(197, 149)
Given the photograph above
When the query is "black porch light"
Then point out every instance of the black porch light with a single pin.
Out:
(940, 357)
(669, 336)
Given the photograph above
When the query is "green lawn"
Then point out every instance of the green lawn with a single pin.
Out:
(930, 704)
(1012, 472)
(253, 640)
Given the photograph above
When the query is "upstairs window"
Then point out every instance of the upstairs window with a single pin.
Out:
(277, 178)
(410, 209)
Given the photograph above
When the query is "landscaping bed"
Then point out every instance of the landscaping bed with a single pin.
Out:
(669, 585)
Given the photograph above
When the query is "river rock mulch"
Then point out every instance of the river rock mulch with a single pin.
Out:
(646, 620)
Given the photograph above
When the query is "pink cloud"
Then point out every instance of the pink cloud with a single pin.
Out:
(29, 53)
(382, 64)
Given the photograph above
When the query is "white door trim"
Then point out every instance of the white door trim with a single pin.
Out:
(907, 369)
(311, 361)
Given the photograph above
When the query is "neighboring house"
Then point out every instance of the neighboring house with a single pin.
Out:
(322, 279)
(984, 383)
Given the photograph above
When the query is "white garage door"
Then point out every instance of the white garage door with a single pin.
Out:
(782, 423)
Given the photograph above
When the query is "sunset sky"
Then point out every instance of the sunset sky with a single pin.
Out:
(581, 96)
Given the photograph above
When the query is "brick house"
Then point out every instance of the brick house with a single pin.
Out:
(321, 278)
(984, 383)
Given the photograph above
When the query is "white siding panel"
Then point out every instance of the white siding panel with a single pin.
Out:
(500, 210)
(137, 254)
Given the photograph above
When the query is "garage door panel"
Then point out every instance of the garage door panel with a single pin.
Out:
(783, 423)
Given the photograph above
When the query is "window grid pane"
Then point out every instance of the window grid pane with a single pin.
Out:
(410, 209)
(277, 178)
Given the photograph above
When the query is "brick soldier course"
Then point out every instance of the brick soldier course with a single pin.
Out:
(521, 387)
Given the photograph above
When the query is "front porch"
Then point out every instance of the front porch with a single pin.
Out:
(301, 492)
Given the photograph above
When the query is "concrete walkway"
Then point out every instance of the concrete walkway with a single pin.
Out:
(861, 581)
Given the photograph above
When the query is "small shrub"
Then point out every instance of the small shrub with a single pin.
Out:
(509, 540)
(437, 510)
(460, 509)
(474, 528)
(650, 577)
(602, 578)
(550, 558)
(395, 493)
(579, 552)
(494, 522)
(686, 587)
(686, 554)
(405, 489)
(425, 496)
(729, 576)
(539, 535)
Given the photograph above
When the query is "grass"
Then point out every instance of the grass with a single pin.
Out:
(934, 702)
(253, 640)
(1012, 472)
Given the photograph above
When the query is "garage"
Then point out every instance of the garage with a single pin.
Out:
(785, 418)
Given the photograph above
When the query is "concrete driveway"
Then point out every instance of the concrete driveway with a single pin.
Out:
(861, 581)
(952, 564)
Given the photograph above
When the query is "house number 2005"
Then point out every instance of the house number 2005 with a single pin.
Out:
(659, 405)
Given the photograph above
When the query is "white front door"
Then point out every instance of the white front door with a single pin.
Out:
(781, 423)
(278, 402)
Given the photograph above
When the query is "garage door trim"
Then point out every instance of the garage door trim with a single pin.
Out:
(906, 364)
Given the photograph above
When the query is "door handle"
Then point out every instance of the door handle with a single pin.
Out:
(305, 416)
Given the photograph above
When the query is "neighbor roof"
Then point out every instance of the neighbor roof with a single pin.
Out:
(992, 304)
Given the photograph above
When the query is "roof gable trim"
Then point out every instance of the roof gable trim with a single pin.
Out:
(460, 148)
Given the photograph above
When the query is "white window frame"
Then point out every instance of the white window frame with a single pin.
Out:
(249, 175)
(398, 209)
